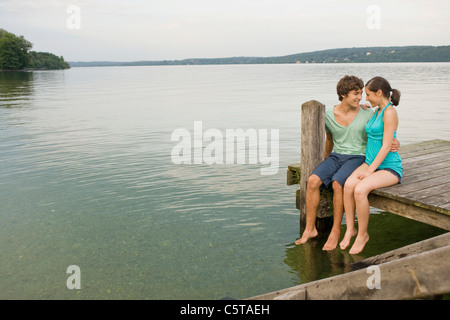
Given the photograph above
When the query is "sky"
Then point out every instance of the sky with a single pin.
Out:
(134, 30)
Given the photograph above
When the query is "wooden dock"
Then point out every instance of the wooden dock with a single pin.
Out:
(424, 194)
(420, 270)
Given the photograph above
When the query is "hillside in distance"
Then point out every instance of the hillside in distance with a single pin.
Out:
(346, 55)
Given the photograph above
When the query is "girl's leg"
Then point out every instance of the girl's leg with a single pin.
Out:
(349, 207)
(378, 179)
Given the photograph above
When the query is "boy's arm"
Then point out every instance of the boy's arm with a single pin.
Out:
(328, 145)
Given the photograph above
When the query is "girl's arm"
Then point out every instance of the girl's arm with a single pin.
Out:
(390, 119)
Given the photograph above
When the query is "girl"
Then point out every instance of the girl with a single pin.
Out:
(381, 168)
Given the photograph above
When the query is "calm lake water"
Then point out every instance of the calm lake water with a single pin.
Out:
(87, 179)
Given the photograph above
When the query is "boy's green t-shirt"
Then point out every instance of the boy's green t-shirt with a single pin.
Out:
(352, 139)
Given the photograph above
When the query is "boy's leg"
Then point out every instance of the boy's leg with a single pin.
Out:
(312, 203)
(321, 175)
(338, 213)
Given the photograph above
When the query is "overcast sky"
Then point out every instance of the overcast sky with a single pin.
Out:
(113, 30)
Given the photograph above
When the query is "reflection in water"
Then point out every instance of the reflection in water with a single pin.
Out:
(309, 262)
(15, 87)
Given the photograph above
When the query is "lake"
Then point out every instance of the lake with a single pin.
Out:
(89, 177)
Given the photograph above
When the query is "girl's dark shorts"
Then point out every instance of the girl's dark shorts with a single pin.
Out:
(393, 172)
(337, 167)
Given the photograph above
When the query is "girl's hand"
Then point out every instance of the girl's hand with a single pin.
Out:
(363, 174)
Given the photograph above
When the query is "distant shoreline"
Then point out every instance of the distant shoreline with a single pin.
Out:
(30, 69)
(346, 55)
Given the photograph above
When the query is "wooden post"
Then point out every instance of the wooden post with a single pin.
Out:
(312, 149)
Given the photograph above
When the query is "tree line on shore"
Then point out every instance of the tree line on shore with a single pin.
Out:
(15, 54)
(345, 55)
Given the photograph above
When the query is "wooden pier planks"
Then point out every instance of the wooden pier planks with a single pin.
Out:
(424, 194)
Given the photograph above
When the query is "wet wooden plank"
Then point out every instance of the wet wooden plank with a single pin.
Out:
(415, 248)
(435, 216)
(411, 185)
(425, 185)
(427, 147)
(427, 192)
(430, 157)
(426, 167)
(439, 199)
(417, 276)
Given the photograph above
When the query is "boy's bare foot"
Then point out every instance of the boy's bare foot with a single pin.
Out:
(332, 241)
(349, 234)
(359, 244)
(307, 234)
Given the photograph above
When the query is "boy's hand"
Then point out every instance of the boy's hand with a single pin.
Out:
(395, 145)
(365, 105)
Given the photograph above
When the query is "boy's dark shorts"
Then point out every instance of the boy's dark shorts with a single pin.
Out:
(337, 167)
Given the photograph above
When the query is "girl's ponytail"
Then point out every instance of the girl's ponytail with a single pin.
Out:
(395, 97)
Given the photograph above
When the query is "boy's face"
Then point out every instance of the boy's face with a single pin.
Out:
(353, 98)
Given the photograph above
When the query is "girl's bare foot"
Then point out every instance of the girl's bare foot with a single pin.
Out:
(349, 234)
(359, 244)
(307, 234)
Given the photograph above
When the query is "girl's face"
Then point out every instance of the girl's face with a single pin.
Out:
(372, 97)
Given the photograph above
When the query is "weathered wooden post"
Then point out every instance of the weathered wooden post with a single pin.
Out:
(312, 149)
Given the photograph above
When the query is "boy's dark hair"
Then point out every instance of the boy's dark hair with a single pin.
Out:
(347, 84)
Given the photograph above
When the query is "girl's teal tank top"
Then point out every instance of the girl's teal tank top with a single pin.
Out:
(374, 130)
